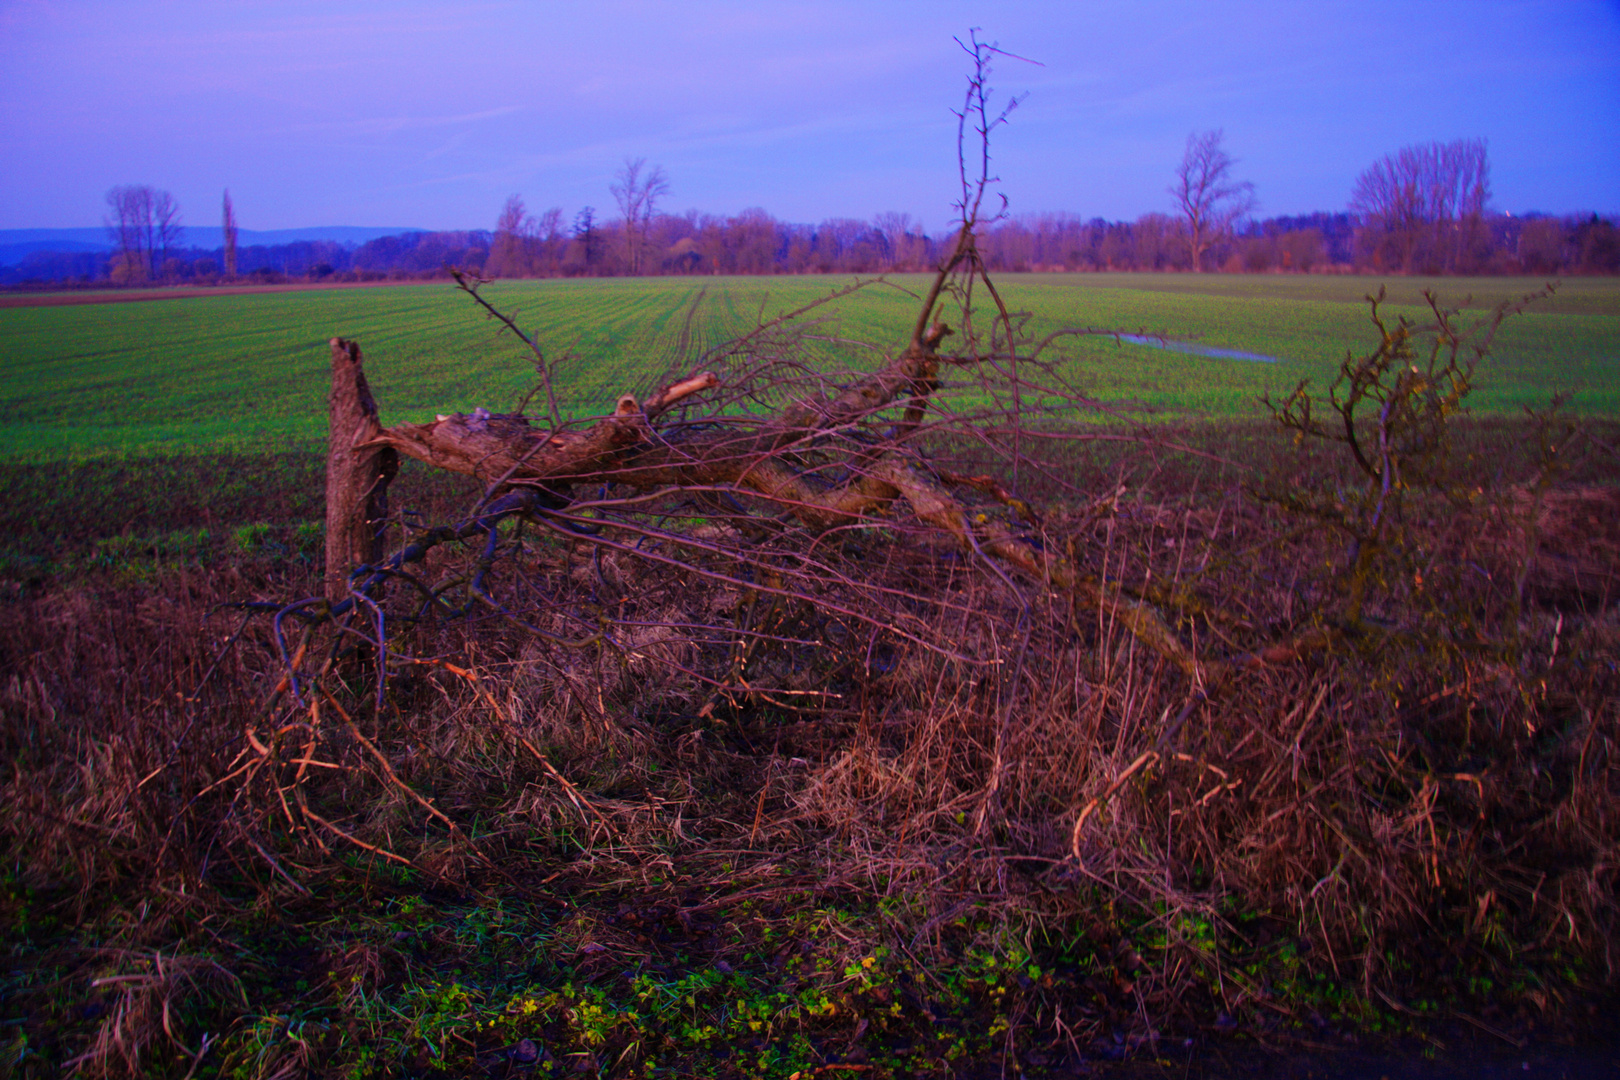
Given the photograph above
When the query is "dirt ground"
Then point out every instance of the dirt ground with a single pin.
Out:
(179, 292)
(1587, 1058)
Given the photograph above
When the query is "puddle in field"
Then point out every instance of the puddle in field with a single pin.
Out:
(1197, 350)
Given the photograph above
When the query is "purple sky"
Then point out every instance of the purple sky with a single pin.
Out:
(430, 114)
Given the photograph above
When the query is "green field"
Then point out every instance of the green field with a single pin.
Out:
(248, 373)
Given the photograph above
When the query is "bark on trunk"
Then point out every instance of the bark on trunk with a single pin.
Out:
(357, 473)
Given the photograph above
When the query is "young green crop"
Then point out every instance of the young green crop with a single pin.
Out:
(248, 373)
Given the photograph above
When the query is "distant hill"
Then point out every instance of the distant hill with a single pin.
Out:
(17, 243)
(12, 253)
(212, 236)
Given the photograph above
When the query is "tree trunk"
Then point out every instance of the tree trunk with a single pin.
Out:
(357, 474)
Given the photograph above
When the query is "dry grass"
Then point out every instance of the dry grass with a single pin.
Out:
(1165, 852)
(149, 996)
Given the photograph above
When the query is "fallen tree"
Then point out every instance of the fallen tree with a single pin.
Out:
(840, 456)
(769, 471)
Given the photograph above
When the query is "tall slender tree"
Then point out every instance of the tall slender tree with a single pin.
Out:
(166, 228)
(229, 231)
(131, 210)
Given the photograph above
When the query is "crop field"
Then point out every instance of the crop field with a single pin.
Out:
(612, 807)
(248, 373)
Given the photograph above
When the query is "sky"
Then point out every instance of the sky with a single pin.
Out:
(428, 115)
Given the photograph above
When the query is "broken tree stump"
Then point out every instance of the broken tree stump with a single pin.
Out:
(357, 475)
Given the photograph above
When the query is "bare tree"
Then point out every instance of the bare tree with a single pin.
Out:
(896, 229)
(229, 231)
(507, 257)
(166, 227)
(1209, 200)
(145, 224)
(1424, 205)
(548, 234)
(129, 221)
(637, 191)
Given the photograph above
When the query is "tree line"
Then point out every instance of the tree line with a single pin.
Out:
(1423, 209)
